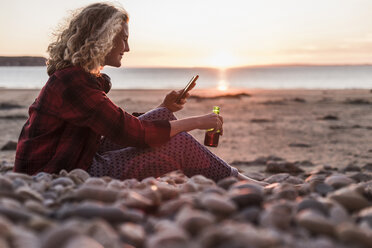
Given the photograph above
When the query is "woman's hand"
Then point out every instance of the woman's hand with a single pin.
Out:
(211, 120)
(170, 101)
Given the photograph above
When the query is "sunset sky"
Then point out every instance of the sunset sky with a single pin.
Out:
(192, 33)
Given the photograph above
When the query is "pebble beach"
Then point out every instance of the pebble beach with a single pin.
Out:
(312, 147)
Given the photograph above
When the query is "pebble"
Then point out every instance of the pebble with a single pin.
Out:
(59, 235)
(246, 197)
(283, 167)
(193, 220)
(115, 185)
(79, 176)
(166, 191)
(39, 223)
(323, 189)
(367, 167)
(10, 203)
(26, 192)
(285, 191)
(96, 193)
(366, 190)
(133, 234)
(352, 167)
(43, 177)
(82, 241)
(283, 177)
(361, 177)
(218, 204)
(5, 226)
(95, 181)
(102, 232)
(64, 181)
(93, 210)
(170, 208)
(6, 166)
(315, 178)
(9, 146)
(3, 243)
(22, 237)
(315, 222)
(313, 205)
(202, 180)
(214, 190)
(256, 176)
(348, 232)
(15, 214)
(238, 235)
(15, 175)
(338, 181)
(5, 184)
(36, 207)
(227, 182)
(336, 212)
(249, 214)
(350, 199)
(168, 235)
(134, 199)
(188, 187)
(278, 215)
(365, 215)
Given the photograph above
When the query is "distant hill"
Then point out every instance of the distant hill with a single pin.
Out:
(22, 61)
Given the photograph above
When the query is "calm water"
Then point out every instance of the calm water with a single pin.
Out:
(308, 77)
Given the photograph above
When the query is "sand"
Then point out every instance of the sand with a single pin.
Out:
(324, 127)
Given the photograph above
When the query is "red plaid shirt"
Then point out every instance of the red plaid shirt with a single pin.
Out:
(69, 117)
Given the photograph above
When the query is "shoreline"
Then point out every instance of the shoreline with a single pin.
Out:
(214, 89)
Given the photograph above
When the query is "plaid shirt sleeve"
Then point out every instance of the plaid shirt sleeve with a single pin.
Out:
(83, 103)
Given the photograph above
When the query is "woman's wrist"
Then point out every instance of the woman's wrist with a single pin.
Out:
(184, 125)
(162, 105)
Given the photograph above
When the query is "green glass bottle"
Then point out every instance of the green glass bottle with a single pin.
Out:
(211, 138)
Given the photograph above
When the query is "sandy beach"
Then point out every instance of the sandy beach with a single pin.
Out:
(312, 147)
(324, 127)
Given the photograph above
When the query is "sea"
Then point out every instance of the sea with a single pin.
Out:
(268, 77)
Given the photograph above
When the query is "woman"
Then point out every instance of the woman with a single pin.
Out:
(73, 124)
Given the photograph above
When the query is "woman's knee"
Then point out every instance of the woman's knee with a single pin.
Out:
(184, 138)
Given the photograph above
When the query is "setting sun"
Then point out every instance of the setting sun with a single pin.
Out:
(222, 60)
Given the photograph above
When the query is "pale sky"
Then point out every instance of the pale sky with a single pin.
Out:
(191, 33)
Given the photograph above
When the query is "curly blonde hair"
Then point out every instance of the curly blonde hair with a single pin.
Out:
(87, 38)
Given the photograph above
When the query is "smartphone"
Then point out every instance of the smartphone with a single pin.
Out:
(187, 88)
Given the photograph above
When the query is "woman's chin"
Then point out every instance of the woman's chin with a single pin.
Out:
(118, 64)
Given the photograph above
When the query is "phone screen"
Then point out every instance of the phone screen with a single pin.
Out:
(188, 87)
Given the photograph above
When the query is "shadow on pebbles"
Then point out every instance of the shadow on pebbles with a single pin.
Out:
(326, 207)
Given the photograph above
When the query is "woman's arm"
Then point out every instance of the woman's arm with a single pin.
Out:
(198, 122)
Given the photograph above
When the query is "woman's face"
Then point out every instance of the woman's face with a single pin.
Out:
(120, 46)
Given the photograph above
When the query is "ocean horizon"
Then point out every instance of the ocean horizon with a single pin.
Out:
(263, 77)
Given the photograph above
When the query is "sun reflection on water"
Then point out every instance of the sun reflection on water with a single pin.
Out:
(223, 84)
